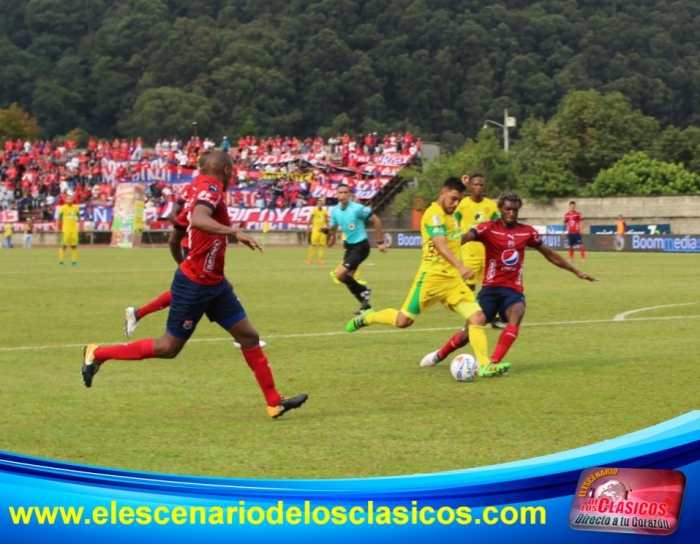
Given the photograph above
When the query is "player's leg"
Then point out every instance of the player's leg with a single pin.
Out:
(189, 302)
(62, 249)
(581, 249)
(512, 306)
(228, 312)
(310, 257)
(354, 256)
(133, 315)
(572, 243)
(322, 240)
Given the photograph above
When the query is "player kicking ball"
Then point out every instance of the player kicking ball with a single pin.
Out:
(505, 240)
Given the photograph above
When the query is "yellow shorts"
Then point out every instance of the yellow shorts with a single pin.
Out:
(474, 258)
(69, 238)
(427, 290)
(318, 238)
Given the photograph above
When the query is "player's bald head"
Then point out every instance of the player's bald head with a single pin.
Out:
(217, 164)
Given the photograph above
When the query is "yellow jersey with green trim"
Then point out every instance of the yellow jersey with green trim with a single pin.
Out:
(470, 214)
(436, 222)
(319, 219)
(69, 214)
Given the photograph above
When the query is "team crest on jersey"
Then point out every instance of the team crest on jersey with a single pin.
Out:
(478, 216)
(510, 257)
(213, 188)
(437, 220)
(351, 226)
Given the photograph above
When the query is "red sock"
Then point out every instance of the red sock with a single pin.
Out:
(156, 305)
(571, 253)
(453, 344)
(136, 351)
(261, 368)
(505, 340)
(583, 252)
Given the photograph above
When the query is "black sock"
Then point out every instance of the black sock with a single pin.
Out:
(355, 288)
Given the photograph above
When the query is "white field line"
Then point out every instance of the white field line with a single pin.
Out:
(375, 331)
(623, 315)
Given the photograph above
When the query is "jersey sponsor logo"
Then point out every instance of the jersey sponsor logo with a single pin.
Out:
(478, 216)
(351, 226)
(211, 256)
(510, 257)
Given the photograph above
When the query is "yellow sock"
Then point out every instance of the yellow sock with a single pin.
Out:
(321, 251)
(74, 254)
(477, 338)
(311, 252)
(383, 317)
(61, 255)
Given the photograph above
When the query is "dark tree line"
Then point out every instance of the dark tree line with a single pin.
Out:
(436, 67)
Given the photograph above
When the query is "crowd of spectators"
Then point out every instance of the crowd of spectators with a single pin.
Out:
(36, 177)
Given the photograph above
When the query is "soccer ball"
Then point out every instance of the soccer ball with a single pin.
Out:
(464, 367)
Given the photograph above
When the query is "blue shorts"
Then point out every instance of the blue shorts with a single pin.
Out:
(496, 300)
(574, 240)
(191, 300)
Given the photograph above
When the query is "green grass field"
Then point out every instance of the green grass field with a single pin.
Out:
(578, 377)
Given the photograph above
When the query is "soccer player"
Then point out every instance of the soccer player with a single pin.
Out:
(475, 208)
(505, 241)
(68, 216)
(440, 278)
(318, 223)
(573, 221)
(350, 217)
(200, 288)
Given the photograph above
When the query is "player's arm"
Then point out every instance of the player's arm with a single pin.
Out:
(469, 236)
(177, 208)
(202, 220)
(332, 229)
(557, 260)
(176, 236)
(377, 224)
(440, 243)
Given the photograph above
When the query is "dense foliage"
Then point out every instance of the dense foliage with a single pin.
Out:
(436, 67)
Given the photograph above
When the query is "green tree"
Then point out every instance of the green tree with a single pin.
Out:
(167, 111)
(639, 174)
(16, 123)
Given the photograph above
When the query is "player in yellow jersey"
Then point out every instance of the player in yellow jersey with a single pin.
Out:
(318, 223)
(440, 278)
(473, 210)
(68, 216)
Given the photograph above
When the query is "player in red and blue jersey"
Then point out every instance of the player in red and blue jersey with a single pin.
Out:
(573, 221)
(132, 315)
(199, 288)
(502, 293)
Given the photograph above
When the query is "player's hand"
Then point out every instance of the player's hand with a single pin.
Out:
(248, 241)
(381, 246)
(585, 276)
(465, 272)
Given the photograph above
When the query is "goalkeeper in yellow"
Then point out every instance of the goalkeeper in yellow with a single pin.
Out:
(475, 208)
(440, 278)
(68, 217)
(318, 223)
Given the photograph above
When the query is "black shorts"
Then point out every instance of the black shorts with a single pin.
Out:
(355, 254)
(574, 240)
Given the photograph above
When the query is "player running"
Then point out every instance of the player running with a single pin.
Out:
(200, 288)
(505, 241)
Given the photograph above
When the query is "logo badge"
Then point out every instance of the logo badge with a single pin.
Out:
(510, 257)
(187, 324)
(628, 500)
